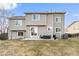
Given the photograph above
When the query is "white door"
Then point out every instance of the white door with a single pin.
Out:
(34, 32)
(14, 35)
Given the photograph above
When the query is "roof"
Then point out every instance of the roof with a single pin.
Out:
(45, 12)
(23, 17)
(17, 17)
(72, 23)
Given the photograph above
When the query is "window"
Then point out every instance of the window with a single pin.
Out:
(35, 17)
(33, 31)
(58, 29)
(18, 22)
(58, 19)
(20, 33)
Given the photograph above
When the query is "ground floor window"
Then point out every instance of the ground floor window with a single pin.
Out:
(34, 31)
(20, 33)
(58, 29)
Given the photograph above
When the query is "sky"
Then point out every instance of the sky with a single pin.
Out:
(71, 9)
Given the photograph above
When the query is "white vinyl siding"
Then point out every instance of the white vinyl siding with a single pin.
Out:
(35, 17)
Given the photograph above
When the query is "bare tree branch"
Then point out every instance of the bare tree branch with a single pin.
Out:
(3, 19)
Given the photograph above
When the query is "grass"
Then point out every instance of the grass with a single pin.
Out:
(39, 47)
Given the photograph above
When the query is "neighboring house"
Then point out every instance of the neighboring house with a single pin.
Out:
(73, 28)
(34, 24)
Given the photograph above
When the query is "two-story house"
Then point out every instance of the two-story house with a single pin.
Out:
(34, 24)
(73, 28)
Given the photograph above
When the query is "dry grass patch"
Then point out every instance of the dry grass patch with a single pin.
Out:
(39, 47)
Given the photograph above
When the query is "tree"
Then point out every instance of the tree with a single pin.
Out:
(4, 14)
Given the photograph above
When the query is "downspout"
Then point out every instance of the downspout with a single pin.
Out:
(52, 18)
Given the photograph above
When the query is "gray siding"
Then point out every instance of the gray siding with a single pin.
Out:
(61, 24)
(30, 22)
(45, 21)
(12, 25)
(27, 31)
(14, 35)
(42, 30)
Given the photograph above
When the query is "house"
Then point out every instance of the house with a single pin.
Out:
(34, 24)
(73, 28)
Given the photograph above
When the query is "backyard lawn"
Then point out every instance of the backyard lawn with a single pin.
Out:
(39, 47)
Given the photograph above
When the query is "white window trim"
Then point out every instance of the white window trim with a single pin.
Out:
(58, 21)
(18, 25)
(37, 19)
(58, 32)
(30, 31)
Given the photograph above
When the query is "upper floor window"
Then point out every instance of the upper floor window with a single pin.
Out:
(18, 22)
(58, 19)
(35, 17)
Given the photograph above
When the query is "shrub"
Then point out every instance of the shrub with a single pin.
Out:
(3, 36)
(65, 36)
